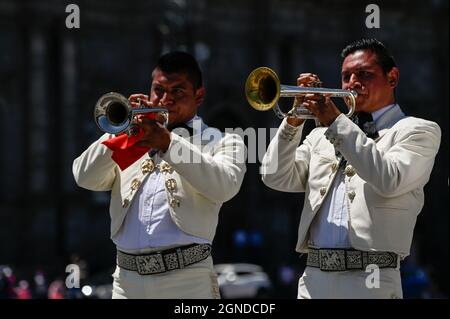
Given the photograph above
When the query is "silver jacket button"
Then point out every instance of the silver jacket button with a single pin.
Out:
(174, 203)
(351, 195)
(171, 185)
(135, 184)
(350, 171)
(148, 166)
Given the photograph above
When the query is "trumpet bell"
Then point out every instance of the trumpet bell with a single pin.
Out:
(112, 113)
(262, 89)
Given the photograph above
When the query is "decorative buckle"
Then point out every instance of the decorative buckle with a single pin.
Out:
(150, 264)
(332, 260)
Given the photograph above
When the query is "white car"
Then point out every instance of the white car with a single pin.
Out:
(242, 281)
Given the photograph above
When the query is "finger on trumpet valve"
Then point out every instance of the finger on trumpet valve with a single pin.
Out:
(142, 103)
(161, 117)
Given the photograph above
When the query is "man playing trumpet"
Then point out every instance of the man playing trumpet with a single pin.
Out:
(363, 179)
(164, 208)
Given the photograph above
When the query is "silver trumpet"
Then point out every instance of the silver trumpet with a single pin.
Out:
(114, 114)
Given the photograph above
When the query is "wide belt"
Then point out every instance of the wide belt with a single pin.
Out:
(165, 260)
(349, 259)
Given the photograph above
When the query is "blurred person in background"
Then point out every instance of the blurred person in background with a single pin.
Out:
(7, 282)
(23, 290)
(3, 286)
(40, 285)
(56, 289)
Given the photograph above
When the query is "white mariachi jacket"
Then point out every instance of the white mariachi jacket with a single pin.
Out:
(384, 177)
(195, 191)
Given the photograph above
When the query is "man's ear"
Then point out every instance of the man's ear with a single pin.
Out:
(393, 77)
(199, 96)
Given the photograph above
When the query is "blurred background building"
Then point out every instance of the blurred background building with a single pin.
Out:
(51, 77)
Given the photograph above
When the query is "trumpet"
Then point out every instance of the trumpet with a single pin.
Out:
(114, 114)
(263, 90)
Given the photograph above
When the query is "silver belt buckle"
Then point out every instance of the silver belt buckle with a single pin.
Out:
(332, 259)
(150, 264)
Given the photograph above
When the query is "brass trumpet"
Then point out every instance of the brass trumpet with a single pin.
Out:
(263, 90)
(114, 114)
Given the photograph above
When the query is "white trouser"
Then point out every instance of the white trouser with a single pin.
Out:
(196, 281)
(354, 284)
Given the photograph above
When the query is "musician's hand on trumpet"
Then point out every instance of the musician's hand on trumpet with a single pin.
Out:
(303, 80)
(156, 135)
(320, 105)
(141, 100)
(136, 99)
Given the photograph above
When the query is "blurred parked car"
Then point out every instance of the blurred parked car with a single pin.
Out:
(242, 281)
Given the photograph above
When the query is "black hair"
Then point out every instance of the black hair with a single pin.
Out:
(384, 57)
(181, 62)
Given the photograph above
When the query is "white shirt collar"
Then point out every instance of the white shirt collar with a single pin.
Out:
(378, 113)
(191, 121)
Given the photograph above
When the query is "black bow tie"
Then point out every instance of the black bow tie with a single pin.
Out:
(366, 124)
(177, 129)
